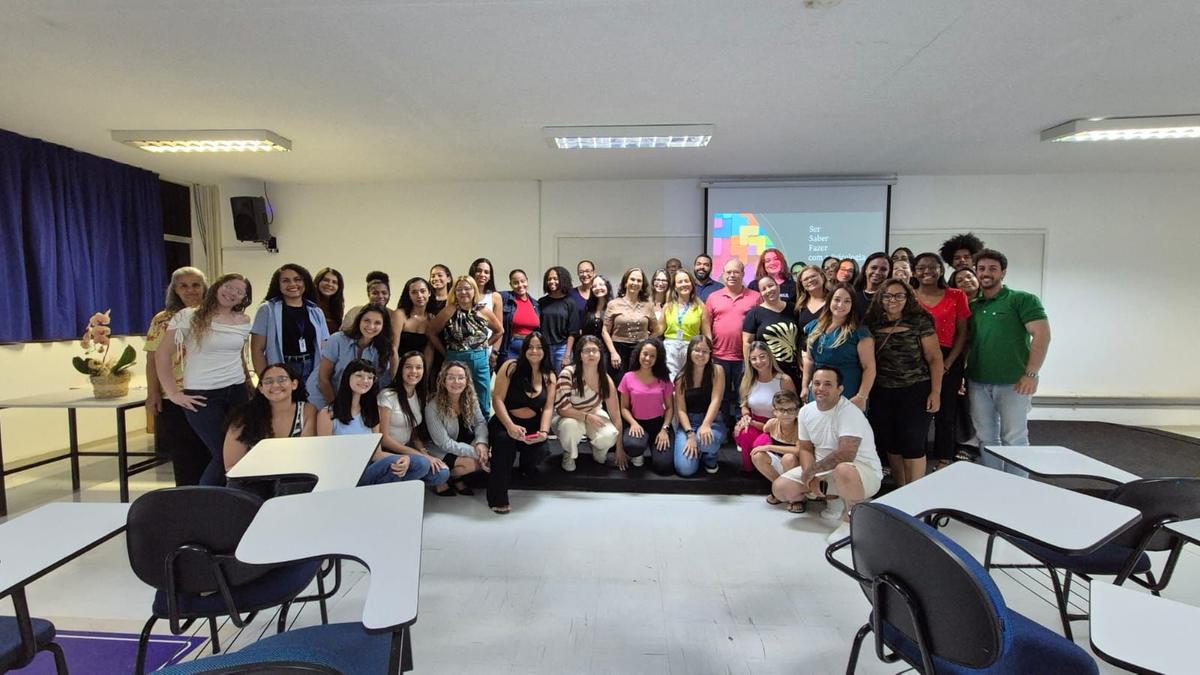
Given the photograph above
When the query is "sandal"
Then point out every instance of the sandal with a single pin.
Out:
(797, 507)
(773, 500)
(501, 510)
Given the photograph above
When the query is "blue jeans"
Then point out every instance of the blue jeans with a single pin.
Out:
(730, 405)
(476, 361)
(514, 349)
(303, 367)
(1000, 416)
(380, 471)
(209, 424)
(556, 356)
(688, 466)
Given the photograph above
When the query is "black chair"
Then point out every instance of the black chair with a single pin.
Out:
(22, 637)
(1161, 501)
(182, 541)
(936, 608)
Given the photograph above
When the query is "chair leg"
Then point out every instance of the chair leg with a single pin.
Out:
(212, 632)
(321, 595)
(139, 667)
(283, 611)
(987, 554)
(1060, 598)
(60, 659)
(856, 646)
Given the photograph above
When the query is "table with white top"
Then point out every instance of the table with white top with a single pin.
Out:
(334, 461)
(1059, 519)
(1188, 529)
(72, 400)
(1055, 461)
(38, 542)
(1141, 632)
(378, 525)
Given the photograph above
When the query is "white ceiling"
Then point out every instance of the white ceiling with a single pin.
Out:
(377, 91)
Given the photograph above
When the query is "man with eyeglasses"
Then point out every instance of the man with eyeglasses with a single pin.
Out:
(586, 271)
(1010, 335)
(727, 310)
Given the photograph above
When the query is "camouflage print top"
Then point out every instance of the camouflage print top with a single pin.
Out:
(899, 360)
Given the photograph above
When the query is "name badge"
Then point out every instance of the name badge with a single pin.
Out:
(303, 346)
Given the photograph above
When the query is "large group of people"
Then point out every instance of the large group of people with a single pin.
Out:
(825, 377)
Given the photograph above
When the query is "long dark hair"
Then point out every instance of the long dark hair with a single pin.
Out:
(334, 305)
(592, 306)
(686, 379)
(382, 342)
(644, 294)
(310, 290)
(659, 369)
(860, 283)
(254, 416)
(941, 276)
(421, 390)
(565, 282)
(522, 373)
(577, 365)
(405, 303)
(343, 402)
(490, 286)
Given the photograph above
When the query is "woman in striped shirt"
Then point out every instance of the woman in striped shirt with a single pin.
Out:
(586, 400)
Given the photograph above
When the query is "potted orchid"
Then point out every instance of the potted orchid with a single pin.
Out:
(110, 378)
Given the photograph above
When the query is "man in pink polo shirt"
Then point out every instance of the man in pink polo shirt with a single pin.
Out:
(727, 308)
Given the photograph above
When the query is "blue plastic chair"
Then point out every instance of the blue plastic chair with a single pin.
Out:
(936, 608)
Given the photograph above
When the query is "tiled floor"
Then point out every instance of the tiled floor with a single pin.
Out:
(576, 583)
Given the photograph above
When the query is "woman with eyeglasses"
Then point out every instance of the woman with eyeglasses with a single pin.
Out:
(585, 398)
(273, 412)
(458, 433)
(908, 381)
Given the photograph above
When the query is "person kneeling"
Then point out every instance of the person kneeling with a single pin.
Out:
(458, 432)
(835, 443)
(355, 410)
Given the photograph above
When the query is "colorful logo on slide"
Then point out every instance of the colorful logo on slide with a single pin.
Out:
(738, 235)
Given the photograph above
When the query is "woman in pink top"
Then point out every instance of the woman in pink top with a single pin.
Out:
(647, 403)
(950, 314)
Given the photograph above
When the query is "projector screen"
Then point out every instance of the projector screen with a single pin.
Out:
(807, 223)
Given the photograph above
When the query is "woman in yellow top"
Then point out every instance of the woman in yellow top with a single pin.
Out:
(683, 319)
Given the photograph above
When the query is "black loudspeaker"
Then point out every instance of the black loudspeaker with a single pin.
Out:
(250, 218)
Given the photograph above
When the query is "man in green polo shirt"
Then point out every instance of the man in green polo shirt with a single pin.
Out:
(1009, 338)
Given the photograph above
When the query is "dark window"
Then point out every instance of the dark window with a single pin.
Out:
(177, 225)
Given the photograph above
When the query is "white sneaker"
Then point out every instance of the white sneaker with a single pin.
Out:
(833, 509)
(839, 534)
(712, 469)
(638, 461)
(568, 464)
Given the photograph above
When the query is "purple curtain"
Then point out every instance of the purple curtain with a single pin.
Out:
(79, 234)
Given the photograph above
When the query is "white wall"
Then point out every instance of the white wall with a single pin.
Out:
(1119, 278)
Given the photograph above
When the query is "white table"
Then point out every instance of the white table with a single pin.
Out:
(72, 400)
(1059, 519)
(1188, 529)
(36, 543)
(1140, 632)
(379, 525)
(334, 461)
(1059, 462)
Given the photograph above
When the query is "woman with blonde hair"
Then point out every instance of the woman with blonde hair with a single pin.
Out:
(213, 337)
(458, 432)
(762, 378)
(464, 330)
(683, 319)
(173, 436)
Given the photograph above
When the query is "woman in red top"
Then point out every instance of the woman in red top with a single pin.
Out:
(950, 314)
(521, 315)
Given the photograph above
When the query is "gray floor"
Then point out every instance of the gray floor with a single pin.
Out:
(576, 583)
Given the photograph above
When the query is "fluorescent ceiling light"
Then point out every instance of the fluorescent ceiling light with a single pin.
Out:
(206, 140)
(631, 137)
(1125, 129)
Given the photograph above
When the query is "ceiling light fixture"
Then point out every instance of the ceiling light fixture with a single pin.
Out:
(1125, 129)
(629, 137)
(205, 140)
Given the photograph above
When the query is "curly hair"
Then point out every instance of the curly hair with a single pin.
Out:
(441, 397)
(202, 319)
(958, 242)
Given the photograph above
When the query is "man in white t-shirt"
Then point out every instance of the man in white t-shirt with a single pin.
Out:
(835, 444)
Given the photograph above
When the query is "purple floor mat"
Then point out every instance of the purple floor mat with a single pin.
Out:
(91, 653)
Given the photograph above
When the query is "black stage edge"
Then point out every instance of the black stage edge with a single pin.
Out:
(1145, 452)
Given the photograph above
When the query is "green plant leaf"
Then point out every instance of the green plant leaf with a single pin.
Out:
(81, 365)
(128, 356)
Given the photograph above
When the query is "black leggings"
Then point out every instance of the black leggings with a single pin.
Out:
(945, 422)
(899, 420)
(662, 461)
(505, 449)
